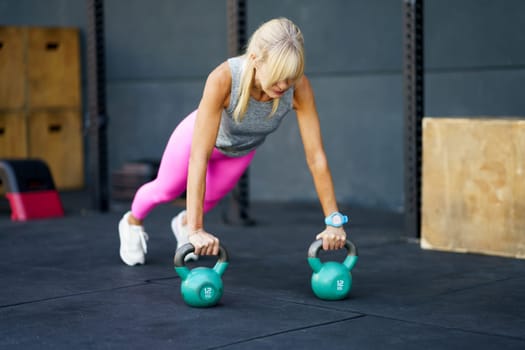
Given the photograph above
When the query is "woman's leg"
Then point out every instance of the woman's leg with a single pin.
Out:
(172, 176)
(169, 184)
(223, 174)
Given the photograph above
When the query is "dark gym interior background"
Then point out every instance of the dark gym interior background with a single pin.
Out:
(158, 53)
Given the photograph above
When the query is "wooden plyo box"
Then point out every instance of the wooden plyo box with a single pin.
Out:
(40, 100)
(12, 67)
(473, 192)
(55, 135)
(53, 68)
(13, 136)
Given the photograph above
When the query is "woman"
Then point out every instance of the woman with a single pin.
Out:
(244, 99)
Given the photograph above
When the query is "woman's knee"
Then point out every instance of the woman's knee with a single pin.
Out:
(159, 194)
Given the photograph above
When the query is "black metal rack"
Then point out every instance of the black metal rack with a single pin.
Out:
(413, 74)
(238, 206)
(97, 120)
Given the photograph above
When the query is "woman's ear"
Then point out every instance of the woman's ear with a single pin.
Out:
(254, 61)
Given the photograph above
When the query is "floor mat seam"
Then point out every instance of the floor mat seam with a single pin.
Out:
(292, 330)
(72, 295)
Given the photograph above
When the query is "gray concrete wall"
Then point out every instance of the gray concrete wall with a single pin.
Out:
(353, 53)
(158, 56)
(160, 51)
(475, 58)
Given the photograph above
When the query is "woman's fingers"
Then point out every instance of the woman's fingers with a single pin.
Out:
(332, 239)
(204, 243)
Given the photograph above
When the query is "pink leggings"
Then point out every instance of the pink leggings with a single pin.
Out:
(222, 174)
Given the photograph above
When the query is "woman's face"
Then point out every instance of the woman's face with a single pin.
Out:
(278, 89)
(275, 90)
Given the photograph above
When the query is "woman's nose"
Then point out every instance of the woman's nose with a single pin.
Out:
(282, 85)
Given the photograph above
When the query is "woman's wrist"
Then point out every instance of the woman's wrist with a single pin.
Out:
(335, 229)
(195, 231)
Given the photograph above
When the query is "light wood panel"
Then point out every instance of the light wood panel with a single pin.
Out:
(56, 137)
(473, 196)
(53, 68)
(12, 67)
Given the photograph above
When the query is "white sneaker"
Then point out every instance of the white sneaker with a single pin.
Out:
(181, 234)
(133, 240)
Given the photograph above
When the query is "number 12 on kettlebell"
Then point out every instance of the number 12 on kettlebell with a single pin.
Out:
(201, 286)
(331, 280)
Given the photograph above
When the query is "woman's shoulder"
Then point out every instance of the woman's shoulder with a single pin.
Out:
(219, 84)
(302, 83)
(221, 75)
(303, 92)
(222, 71)
(226, 68)
(302, 87)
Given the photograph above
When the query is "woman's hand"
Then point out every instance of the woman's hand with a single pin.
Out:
(333, 238)
(205, 243)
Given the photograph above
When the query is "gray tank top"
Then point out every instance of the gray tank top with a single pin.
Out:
(238, 139)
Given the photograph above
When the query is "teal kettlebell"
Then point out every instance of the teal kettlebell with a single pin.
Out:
(201, 286)
(331, 280)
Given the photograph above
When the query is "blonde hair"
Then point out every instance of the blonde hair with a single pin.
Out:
(279, 45)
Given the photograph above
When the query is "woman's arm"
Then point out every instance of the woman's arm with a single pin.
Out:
(309, 127)
(216, 93)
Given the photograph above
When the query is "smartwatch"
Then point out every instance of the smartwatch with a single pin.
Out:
(336, 219)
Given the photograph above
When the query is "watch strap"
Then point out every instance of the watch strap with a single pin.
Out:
(329, 220)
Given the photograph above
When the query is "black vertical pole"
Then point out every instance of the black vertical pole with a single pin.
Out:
(97, 122)
(236, 26)
(237, 210)
(413, 69)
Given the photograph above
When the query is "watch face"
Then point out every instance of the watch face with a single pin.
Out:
(337, 220)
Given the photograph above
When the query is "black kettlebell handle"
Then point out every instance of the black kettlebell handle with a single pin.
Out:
(317, 245)
(188, 248)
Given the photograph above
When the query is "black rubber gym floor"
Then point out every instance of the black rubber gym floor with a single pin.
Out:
(63, 286)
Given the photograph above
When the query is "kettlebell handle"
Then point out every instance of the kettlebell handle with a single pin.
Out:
(188, 248)
(317, 245)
